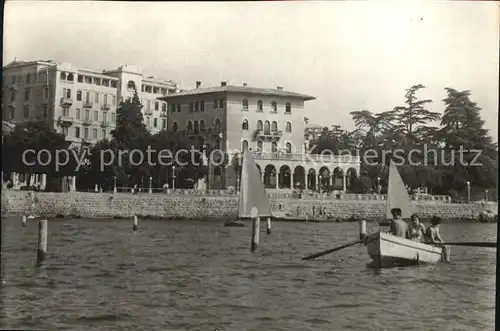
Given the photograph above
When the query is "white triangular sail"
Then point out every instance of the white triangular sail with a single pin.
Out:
(252, 192)
(397, 195)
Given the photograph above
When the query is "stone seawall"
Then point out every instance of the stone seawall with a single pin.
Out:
(108, 205)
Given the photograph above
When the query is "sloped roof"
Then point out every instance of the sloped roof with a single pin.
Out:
(239, 89)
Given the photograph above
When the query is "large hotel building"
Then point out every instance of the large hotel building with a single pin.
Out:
(81, 104)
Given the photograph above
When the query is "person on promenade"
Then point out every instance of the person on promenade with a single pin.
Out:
(398, 226)
(416, 230)
(432, 235)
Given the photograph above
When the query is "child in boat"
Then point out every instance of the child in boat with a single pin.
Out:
(416, 230)
(398, 226)
(432, 235)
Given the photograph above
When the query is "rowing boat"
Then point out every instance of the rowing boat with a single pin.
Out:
(387, 250)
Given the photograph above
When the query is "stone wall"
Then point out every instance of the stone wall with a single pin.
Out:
(96, 205)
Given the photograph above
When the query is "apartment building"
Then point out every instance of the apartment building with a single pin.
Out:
(80, 103)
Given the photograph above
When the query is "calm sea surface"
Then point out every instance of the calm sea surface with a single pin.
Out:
(189, 275)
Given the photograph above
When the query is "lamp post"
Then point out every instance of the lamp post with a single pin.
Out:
(173, 177)
(114, 186)
(150, 185)
(468, 191)
(486, 195)
(378, 185)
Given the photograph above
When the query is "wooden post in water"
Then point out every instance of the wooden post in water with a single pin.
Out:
(255, 234)
(42, 242)
(24, 221)
(136, 221)
(268, 225)
(362, 229)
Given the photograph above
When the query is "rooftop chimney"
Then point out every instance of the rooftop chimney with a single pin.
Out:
(244, 84)
(223, 83)
(279, 88)
(198, 84)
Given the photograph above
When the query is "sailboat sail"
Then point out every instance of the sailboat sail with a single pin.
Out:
(397, 195)
(253, 197)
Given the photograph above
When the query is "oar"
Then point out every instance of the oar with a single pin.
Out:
(473, 244)
(310, 257)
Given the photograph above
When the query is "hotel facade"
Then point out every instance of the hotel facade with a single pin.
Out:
(270, 122)
(80, 103)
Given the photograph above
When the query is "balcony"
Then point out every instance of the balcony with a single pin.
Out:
(104, 124)
(305, 157)
(86, 123)
(268, 135)
(66, 102)
(65, 121)
(87, 104)
(163, 114)
(106, 106)
(148, 112)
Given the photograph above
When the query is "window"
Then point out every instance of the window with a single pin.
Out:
(190, 126)
(244, 104)
(13, 79)
(274, 147)
(288, 108)
(130, 85)
(196, 106)
(80, 79)
(67, 93)
(103, 133)
(63, 76)
(157, 106)
(163, 124)
(155, 123)
(28, 77)
(26, 111)
(221, 103)
(274, 107)
(191, 107)
(94, 134)
(45, 110)
(259, 125)
(114, 100)
(174, 126)
(105, 99)
(149, 105)
(96, 115)
(216, 104)
(87, 115)
(217, 125)
(65, 111)
(86, 133)
(105, 116)
(245, 125)
(172, 107)
(13, 96)
(274, 126)
(288, 148)
(202, 105)
(179, 108)
(96, 97)
(87, 97)
(27, 94)
(202, 125)
(148, 122)
(70, 77)
(288, 127)
(259, 146)
(12, 111)
(164, 106)
(113, 117)
(45, 93)
(77, 114)
(78, 95)
(65, 130)
(259, 105)
(244, 145)
(196, 127)
(267, 128)
(77, 132)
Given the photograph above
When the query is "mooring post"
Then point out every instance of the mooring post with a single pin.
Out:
(42, 242)
(255, 234)
(24, 221)
(268, 225)
(362, 229)
(136, 221)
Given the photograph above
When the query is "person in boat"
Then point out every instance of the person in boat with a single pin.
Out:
(416, 230)
(432, 234)
(398, 226)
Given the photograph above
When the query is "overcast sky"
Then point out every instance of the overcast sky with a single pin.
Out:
(349, 55)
